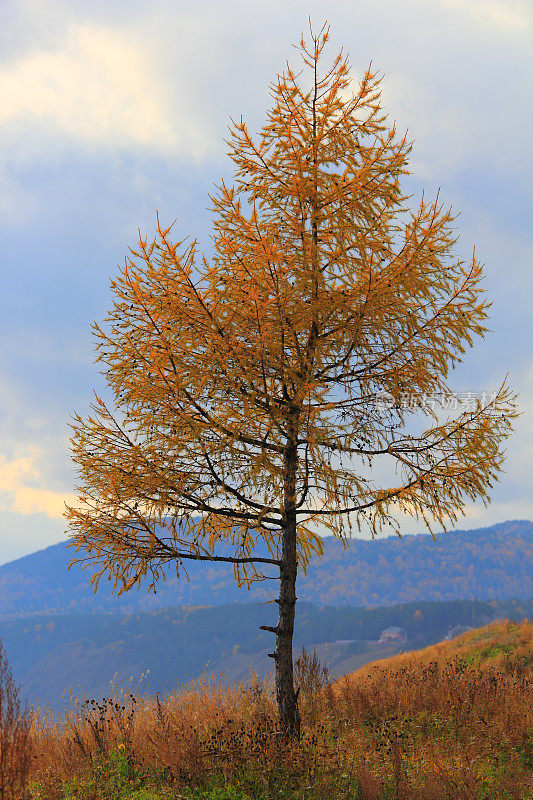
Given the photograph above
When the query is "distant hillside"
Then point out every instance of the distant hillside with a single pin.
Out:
(488, 563)
(50, 653)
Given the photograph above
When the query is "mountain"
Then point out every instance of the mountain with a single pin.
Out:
(487, 563)
(53, 654)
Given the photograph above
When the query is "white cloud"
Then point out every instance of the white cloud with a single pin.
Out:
(29, 500)
(20, 495)
(170, 78)
(98, 87)
(505, 16)
(14, 473)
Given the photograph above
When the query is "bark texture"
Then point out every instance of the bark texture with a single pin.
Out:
(286, 696)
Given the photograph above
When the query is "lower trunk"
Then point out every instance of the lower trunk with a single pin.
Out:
(287, 698)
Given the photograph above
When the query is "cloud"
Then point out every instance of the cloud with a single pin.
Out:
(506, 17)
(99, 87)
(18, 496)
(14, 473)
(29, 500)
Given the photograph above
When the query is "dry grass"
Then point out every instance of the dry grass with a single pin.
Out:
(452, 722)
(15, 740)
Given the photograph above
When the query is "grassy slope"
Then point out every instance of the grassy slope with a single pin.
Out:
(494, 645)
(450, 722)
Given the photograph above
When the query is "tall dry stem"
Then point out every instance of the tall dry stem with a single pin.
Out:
(15, 743)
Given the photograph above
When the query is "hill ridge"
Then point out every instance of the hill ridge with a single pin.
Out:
(486, 563)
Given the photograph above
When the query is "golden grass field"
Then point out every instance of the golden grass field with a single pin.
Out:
(450, 722)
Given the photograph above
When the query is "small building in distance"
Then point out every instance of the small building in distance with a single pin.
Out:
(456, 630)
(392, 634)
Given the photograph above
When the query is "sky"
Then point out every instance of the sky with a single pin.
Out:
(111, 110)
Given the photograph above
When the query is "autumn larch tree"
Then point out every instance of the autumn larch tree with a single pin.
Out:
(255, 396)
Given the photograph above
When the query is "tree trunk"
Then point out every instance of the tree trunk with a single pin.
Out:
(287, 698)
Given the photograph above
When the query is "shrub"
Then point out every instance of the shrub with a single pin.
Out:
(15, 744)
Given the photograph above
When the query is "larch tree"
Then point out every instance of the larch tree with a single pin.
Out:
(255, 395)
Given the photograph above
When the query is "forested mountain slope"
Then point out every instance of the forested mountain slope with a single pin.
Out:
(54, 653)
(488, 563)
